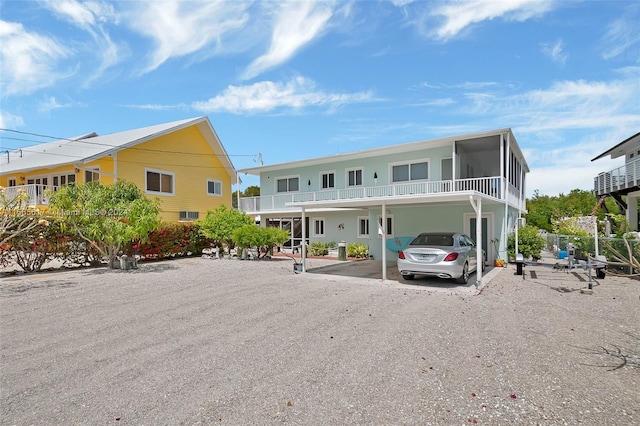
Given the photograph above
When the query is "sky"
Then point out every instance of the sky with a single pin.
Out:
(291, 80)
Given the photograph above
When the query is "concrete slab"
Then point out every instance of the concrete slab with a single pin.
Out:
(370, 271)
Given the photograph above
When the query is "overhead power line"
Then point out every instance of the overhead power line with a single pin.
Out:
(89, 142)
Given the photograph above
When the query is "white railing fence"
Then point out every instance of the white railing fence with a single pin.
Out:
(617, 179)
(38, 194)
(487, 185)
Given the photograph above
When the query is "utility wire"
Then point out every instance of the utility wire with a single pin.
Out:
(89, 142)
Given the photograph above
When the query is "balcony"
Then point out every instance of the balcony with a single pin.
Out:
(622, 180)
(490, 186)
(38, 194)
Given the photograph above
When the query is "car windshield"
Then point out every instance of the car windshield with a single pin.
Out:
(433, 240)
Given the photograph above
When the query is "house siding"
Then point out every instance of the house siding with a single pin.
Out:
(378, 165)
(187, 155)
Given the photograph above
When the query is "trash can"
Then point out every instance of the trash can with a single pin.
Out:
(519, 263)
(342, 250)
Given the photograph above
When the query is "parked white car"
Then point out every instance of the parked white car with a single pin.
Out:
(448, 255)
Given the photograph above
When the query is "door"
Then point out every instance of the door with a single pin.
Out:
(485, 233)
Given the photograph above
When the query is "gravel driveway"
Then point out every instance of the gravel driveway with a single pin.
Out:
(198, 341)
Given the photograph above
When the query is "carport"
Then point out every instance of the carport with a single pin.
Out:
(475, 198)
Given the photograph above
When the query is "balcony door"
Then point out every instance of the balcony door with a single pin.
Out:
(41, 184)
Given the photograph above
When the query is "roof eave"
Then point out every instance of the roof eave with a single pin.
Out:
(610, 150)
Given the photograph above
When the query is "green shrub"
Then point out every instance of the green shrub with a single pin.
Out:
(170, 240)
(320, 248)
(357, 250)
(530, 243)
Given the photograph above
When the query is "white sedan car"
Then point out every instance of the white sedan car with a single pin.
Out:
(440, 254)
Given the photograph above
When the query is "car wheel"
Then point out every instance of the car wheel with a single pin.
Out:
(464, 278)
(408, 277)
(484, 264)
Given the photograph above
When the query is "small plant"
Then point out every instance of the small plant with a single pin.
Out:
(357, 250)
(319, 248)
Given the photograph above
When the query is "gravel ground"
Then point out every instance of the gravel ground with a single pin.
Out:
(198, 341)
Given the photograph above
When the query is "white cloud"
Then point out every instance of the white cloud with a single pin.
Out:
(10, 121)
(571, 104)
(182, 28)
(28, 61)
(90, 17)
(458, 16)
(296, 23)
(622, 34)
(565, 167)
(267, 96)
(555, 51)
(73, 11)
(50, 103)
(158, 107)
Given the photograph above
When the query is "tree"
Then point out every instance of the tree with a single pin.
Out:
(220, 224)
(251, 191)
(545, 209)
(262, 238)
(16, 217)
(107, 217)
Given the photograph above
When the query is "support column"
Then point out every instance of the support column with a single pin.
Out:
(303, 244)
(477, 207)
(384, 242)
(632, 212)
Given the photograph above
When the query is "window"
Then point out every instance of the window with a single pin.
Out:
(92, 175)
(12, 182)
(446, 169)
(189, 216)
(389, 225)
(328, 180)
(214, 187)
(318, 227)
(354, 177)
(290, 184)
(410, 171)
(363, 227)
(60, 180)
(158, 182)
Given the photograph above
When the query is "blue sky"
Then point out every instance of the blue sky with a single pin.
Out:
(301, 79)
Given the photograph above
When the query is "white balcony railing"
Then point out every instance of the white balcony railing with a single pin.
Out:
(487, 185)
(38, 194)
(623, 177)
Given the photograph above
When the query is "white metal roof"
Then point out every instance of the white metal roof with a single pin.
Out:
(89, 147)
(391, 149)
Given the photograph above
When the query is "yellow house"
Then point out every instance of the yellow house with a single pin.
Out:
(182, 163)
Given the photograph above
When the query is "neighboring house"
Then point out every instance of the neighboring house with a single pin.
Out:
(182, 163)
(446, 184)
(623, 180)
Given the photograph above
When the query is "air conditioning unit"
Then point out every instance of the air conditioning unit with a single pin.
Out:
(189, 216)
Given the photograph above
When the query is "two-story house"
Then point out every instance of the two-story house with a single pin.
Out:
(183, 163)
(446, 184)
(623, 180)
